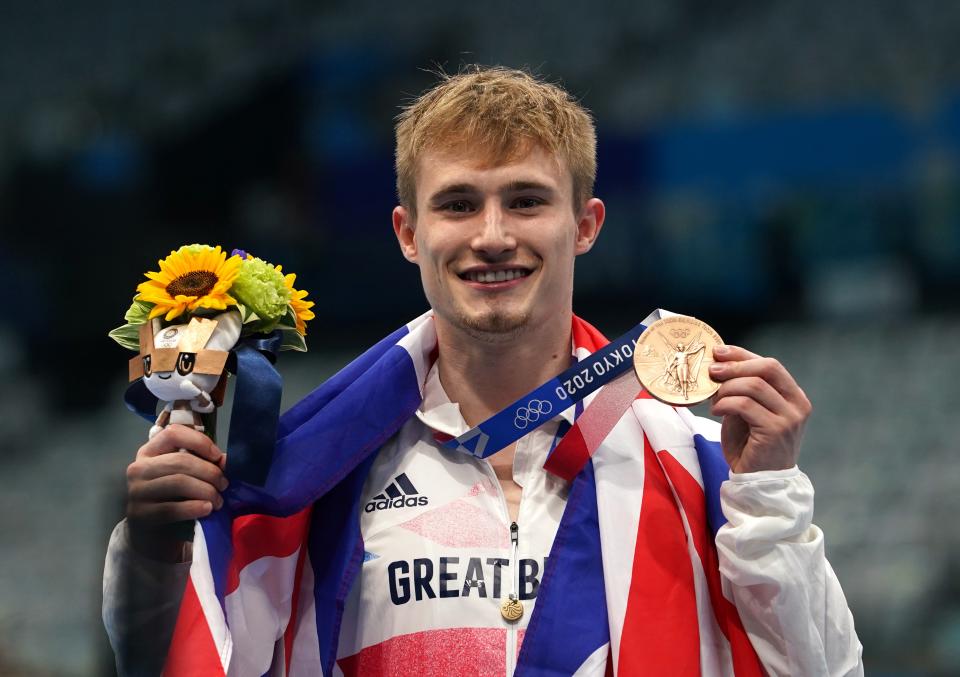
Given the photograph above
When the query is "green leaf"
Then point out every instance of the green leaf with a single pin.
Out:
(293, 340)
(288, 322)
(128, 336)
(247, 315)
(257, 327)
(266, 326)
(138, 312)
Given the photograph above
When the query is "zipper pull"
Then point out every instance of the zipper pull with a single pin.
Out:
(512, 608)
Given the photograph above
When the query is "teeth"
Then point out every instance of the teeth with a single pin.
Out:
(495, 276)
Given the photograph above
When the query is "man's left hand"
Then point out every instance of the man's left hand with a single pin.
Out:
(763, 409)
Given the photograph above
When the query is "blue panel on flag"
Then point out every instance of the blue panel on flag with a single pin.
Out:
(218, 540)
(558, 642)
(715, 471)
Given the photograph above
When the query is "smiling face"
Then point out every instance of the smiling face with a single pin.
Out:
(496, 244)
(195, 351)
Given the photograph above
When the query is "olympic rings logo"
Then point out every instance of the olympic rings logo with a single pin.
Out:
(531, 413)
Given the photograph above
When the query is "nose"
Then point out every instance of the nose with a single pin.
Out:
(495, 235)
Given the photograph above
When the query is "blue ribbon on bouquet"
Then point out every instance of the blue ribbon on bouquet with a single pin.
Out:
(256, 407)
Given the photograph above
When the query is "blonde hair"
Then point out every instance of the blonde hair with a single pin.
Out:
(498, 113)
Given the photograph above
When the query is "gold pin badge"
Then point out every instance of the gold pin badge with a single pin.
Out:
(511, 608)
(672, 360)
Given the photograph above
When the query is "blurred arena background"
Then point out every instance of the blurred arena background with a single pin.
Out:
(787, 170)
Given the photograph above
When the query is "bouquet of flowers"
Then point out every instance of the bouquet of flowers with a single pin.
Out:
(198, 280)
(204, 314)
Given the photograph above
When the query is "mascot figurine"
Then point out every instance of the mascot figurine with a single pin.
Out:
(183, 365)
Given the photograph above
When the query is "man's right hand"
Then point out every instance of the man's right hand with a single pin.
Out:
(177, 476)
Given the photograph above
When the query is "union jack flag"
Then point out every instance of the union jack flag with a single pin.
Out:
(631, 587)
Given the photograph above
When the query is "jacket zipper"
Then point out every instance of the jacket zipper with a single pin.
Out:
(511, 643)
(514, 594)
(511, 648)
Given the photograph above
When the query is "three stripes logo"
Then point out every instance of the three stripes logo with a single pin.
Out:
(400, 493)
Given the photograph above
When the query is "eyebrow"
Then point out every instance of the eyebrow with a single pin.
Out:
(452, 189)
(469, 189)
(520, 186)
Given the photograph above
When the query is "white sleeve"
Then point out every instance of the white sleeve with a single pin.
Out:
(773, 567)
(141, 600)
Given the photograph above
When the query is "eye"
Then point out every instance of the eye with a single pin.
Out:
(458, 207)
(185, 363)
(527, 202)
(146, 365)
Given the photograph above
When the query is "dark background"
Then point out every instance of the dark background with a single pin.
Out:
(785, 170)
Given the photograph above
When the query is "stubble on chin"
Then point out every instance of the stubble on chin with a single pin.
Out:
(493, 326)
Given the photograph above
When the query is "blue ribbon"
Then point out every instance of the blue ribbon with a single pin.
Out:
(256, 406)
(546, 401)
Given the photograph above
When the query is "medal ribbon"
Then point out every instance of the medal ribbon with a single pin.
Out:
(546, 401)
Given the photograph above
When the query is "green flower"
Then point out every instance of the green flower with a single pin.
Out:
(261, 288)
(196, 248)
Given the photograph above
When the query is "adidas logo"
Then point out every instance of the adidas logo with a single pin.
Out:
(399, 494)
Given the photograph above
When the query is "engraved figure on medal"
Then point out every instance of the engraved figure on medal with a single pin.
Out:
(679, 374)
(672, 366)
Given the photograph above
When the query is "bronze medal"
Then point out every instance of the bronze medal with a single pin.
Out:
(511, 608)
(672, 360)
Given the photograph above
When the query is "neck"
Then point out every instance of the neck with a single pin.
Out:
(484, 374)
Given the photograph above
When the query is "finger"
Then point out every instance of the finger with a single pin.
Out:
(177, 464)
(751, 411)
(174, 488)
(757, 389)
(167, 513)
(176, 437)
(767, 368)
(728, 353)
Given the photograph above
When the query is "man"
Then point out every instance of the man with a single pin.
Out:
(462, 557)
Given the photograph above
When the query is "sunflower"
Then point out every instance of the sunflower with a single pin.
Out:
(301, 308)
(194, 276)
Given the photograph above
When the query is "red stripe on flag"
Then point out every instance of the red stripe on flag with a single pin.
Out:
(256, 536)
(569, 456)
(292, 624)
(745, 660)
(192, 651)
(585, 335)
(661, 633)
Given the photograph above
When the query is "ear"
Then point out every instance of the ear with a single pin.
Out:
(589, 223)
(403, 228)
